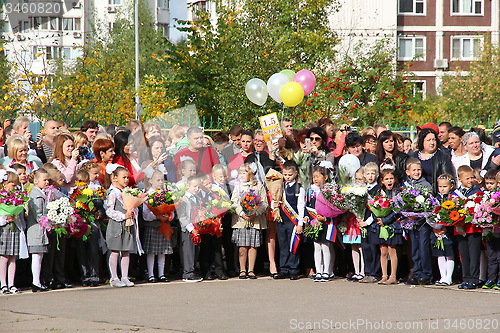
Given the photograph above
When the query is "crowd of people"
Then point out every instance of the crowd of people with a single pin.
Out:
(253, 242)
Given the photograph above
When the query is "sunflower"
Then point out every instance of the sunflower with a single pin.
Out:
(448, 204)
(454, 216)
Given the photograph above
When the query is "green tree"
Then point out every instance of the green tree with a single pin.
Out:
(255, 39)
(364, 89)
(475, 95)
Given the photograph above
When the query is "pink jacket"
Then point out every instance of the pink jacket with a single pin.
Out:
(68, 171)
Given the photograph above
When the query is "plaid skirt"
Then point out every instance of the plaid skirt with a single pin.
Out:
(247, 237)
(156, 243)
(9, 241)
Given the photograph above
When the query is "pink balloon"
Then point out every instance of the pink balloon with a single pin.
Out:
(306, 79)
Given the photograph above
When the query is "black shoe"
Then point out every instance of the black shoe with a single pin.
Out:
(424, 281)
(243, 275)
(86, 283)
(209, 277)
(36, 289)
(152, 279)
(413, 281)
(222, 276)
(294, 277)
(463, 285)
(94, 283)
(68, 285)
(162, 278)
(281, 276)
(56, 285)
(470, 285)
(251, 275)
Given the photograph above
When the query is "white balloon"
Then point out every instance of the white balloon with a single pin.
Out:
(256, 91)
(274, 85)
(350, 164)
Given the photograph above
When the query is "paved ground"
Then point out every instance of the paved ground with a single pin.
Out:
(261, 305)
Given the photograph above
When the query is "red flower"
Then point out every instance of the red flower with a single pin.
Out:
(478, 200)
(470, 210)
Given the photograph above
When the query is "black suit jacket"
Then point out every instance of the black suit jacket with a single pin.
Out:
(266, 162)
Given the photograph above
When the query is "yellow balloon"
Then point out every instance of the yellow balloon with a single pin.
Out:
(292, 94)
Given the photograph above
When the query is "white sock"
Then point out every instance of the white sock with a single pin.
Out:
(361, 260)
(4, 264)
(11, 271)
(326, 250)
(36, 268)
(356, 259)
(125, 262)
(161, 265)
(450, 265)
(150, 258)
(318, 258)
(113, 264)
(443, 269)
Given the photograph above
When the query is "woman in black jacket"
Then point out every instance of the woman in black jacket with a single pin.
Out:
(388, 155)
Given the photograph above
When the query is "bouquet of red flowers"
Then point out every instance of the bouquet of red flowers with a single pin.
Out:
(205, 223)
(380, 206)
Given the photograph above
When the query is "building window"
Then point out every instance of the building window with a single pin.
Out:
(71, 53)
(411, 6)
(467, 7)
(162, 4)
(411, 48)
(419, 88)
(114, 2)
(67, 24)
(465, 48)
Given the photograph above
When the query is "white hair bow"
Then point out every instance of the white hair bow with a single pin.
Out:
(111, 167)
(3, 175)
(326, 164)
(253, 167)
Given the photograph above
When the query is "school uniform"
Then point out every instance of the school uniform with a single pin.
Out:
(154, 242)
(117, 237)
(470, 244)
(227, 230)
(449, 242)
(37, 238)
(294, 194)
(13, 237)
(185, 210)
(493, 253)
(369, 243)
(392, 222)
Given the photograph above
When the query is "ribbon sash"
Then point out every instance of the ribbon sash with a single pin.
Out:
(294, 217)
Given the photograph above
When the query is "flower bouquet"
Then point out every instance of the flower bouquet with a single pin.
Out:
(312, 228)
(83, 201)
(274, 184)
(161, 202)
(132, 198)
(250, 201)
(483, 214)
(356, 197)
(450, 212)
(12, 203)
(220, 205)
(495, 203)
(380, 206)
(414, 203)
(205, 223)
(330, 202)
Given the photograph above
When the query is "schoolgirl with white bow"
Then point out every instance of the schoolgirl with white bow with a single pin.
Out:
(12, 238)
(120, 241)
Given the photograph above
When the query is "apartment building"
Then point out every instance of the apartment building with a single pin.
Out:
(38, 31)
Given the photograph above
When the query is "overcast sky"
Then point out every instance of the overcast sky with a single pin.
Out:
(178, 10)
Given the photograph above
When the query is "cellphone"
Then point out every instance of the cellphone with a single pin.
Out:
(308, 143)
(34, 128)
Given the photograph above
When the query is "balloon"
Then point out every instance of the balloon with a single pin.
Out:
(289, 73)
(292, 94)
(256, 91)
(350, 164)
(306, 79)
(274, 85)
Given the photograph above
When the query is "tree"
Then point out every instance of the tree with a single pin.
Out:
(364, 89)
(474, 95)
(254, 39)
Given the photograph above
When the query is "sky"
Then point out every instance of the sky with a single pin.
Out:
(178, 9)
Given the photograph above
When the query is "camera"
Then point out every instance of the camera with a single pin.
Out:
(83, 151)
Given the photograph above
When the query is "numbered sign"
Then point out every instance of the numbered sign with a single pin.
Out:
(270, 127)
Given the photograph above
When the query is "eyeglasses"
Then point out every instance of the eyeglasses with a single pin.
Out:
(259, 141)
(315, 138)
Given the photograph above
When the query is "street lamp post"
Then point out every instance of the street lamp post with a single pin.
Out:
(138, 106)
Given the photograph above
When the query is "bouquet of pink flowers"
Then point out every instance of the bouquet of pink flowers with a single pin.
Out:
(483, 213)
(12, 203)
(380, 206)
(331, 202)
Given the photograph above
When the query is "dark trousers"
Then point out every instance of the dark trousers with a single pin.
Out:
(289, 262)
(53, 261)
(371, 257)
(211, 255)
(227, 244)
(493, 253)
(87, 253)
(421, 253)
(470, 254)
(188, 254)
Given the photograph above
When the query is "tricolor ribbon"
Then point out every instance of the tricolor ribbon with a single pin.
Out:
(331, 232)
(294, 217)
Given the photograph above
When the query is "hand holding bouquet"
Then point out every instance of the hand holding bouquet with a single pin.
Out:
(132, 198)
(12, 204)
